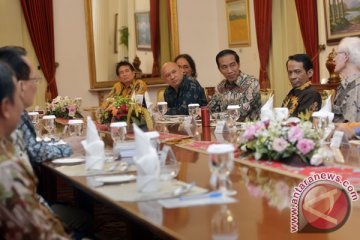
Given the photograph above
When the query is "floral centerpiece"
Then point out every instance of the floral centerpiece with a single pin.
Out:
(124, 109)
(276, 141)
(64, 107)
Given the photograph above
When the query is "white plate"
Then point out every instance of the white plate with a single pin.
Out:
(69, 161)
(116, 179)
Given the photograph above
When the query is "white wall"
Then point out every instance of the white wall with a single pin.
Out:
(71, 51)
(203, 33)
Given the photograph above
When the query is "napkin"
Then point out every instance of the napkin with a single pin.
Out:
(266, 112)
(325, 111)
(147, 162)
(94, 147)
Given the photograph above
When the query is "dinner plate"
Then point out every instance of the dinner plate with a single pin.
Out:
(68, 161)
(116, 179)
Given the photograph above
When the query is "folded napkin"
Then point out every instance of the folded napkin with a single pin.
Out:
(325, 111)
(147, 162)
(266, 112)
(94, 147)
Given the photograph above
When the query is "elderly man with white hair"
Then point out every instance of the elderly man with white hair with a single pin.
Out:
(347, 100)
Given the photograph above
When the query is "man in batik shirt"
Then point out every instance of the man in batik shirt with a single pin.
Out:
(127, 85)
(21, 214)
(303, 99)
(181, 90)
(237, 88)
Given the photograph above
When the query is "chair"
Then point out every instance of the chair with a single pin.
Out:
(160, 94)
(209, 92)
(265, 95)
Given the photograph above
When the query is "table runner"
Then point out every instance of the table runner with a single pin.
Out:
(350, 173)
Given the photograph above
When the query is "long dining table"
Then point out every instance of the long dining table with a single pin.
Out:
(261, 210)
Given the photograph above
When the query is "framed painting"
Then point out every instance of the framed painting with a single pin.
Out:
(142, 31)
(342, 19)
(237, 17)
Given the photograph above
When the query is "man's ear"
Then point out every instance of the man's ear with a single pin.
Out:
(310, 73)
(5, 106)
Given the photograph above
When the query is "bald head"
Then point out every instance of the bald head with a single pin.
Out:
(171, 74)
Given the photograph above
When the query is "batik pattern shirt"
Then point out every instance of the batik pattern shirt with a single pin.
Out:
(39, 151)
(188, 92)
(136, 87)
(245, 92)
(21, 214)
(347, 101)
(302, 101)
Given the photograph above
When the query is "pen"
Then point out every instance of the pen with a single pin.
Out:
(207, 195)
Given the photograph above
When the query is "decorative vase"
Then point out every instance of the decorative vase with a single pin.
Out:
(330, 65)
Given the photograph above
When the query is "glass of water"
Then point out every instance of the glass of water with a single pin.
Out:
(221, 162)
(194, 110)
(49, 124)
(233, 112)
(75, 127)
(162, 107)
(118, 131)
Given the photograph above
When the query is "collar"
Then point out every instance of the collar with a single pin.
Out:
(305, 85)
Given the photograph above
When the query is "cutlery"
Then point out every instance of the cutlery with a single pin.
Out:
(183, 189)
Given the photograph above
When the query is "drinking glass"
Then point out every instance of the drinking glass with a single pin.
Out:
(320, 124)
(154, 140)
(194, 110)
(118, 131)
(34, 117)
(49, 124)
(75, 127)
(223, 225)
(162, 107)
(233, 114)
(221, 162)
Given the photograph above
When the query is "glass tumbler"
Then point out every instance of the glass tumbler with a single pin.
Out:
(75, 127)
(221, 162)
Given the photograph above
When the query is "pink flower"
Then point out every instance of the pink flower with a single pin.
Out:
(305, 146)
(295, 134)
(250, 132)
(279, 144)
(72, 110)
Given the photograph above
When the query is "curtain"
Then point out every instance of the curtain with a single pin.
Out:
(307, 15)
(39, 20)
(262, 10)
(155, 35)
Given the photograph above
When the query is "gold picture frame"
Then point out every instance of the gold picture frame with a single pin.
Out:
(142, 29)
(238, 23)
(342, 20)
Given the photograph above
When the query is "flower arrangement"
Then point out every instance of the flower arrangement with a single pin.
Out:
(275, 141)
(64, 107)
(124, 109)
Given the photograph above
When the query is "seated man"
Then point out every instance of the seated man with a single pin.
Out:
(127, 85)
(21, 214)
(181, 90)
(237, 88)
(303, 99)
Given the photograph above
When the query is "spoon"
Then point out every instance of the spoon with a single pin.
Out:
(183, 189)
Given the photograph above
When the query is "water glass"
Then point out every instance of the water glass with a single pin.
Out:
(320, 124)
(233, 114)
(118, 131)
(194, 110)
(49, 124)
(221, 162)
(75, 127)
(281, 113)
(154, 137)
(34, 117)
(162, 107)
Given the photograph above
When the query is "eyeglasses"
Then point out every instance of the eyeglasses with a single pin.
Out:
(337, 53)
(36, 79)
